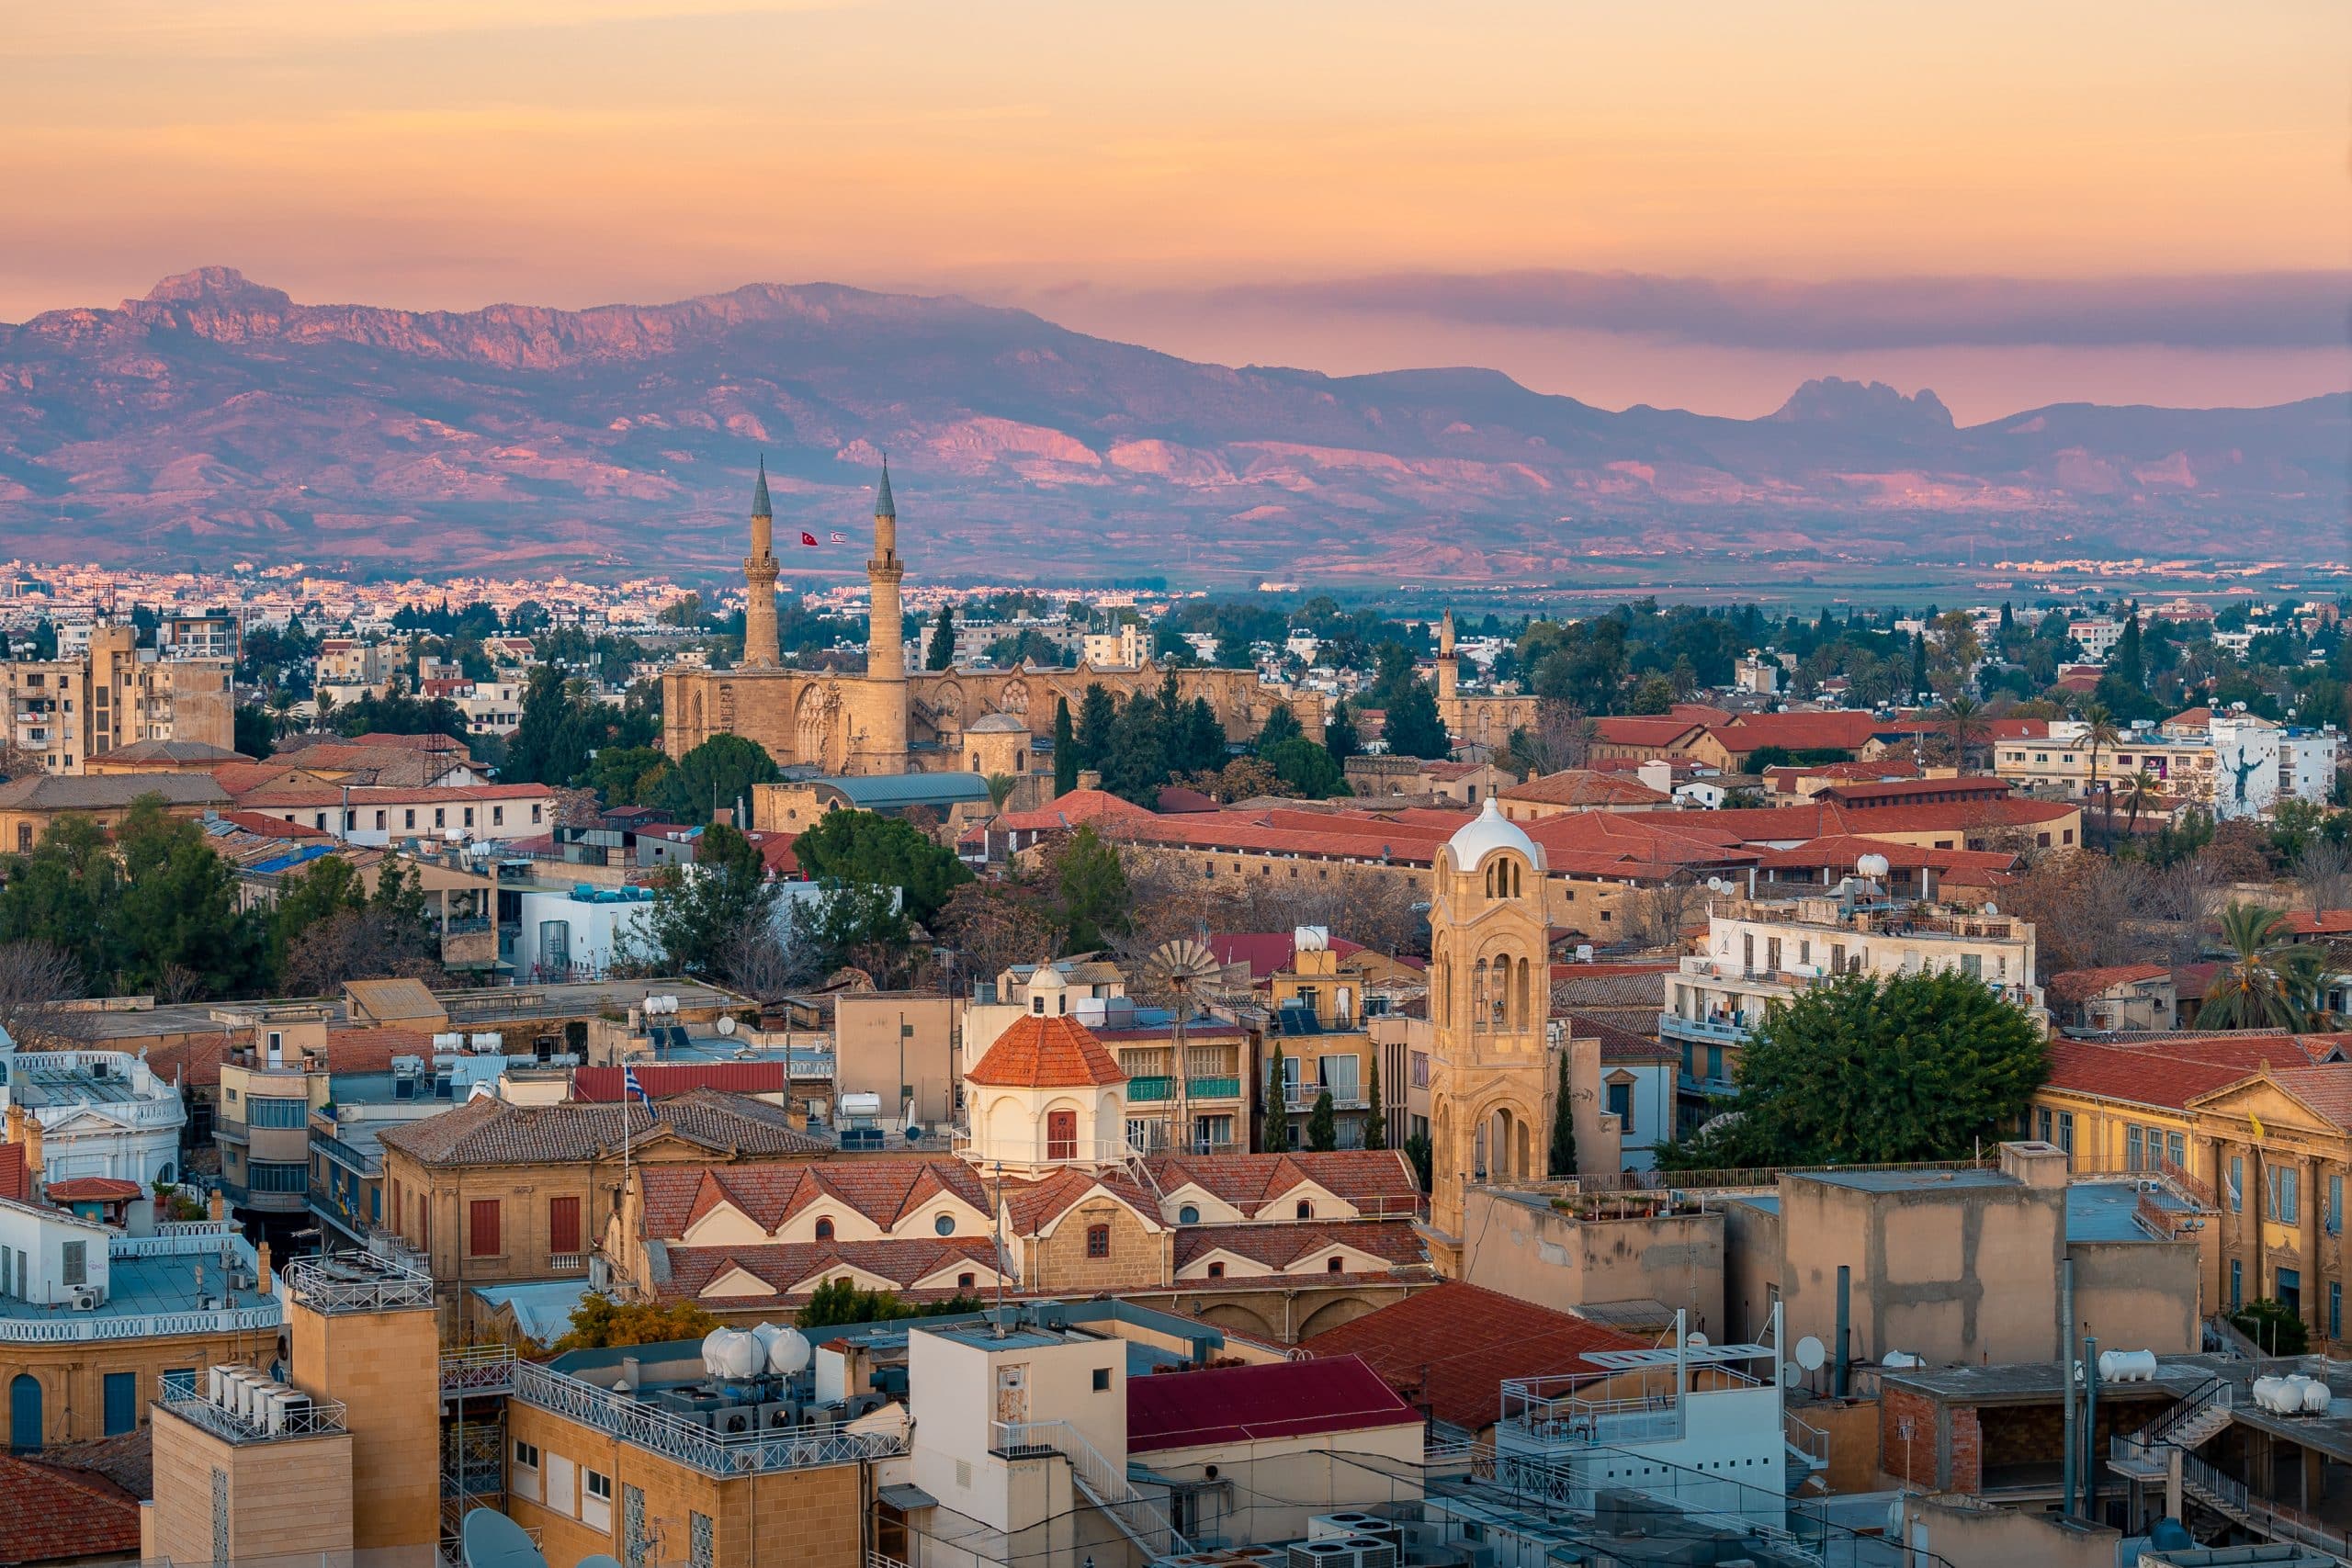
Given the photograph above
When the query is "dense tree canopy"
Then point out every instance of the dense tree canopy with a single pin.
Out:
(1871, 1069)
(874, 850)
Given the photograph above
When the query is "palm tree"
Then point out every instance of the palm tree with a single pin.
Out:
(1000, 787)
(2139, 790)
(2270, 980)
(1960, 712)
(2101, 732)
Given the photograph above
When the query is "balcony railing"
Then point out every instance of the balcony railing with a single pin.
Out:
(1298, 1097)
(1151, 1090)
(567, 1263)
(616, 1413)
(1714, 1088)
(1706, 1031)
(68, 1327)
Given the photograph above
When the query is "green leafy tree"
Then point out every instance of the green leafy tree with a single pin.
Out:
(865, 849)
(704, 913)
(1090, 900)
(1196, 743)
(1305, 768)
(628, 776)
(1281, 724)
(1000, 787)
(939, 652)
(2276, 1329)
(599, 1323)
(1564, 1125)
(1413, 727)
(1420, 1156)
(1135, 764)
(718, 773)
(1339, 736)
(326, 887)
(180, 927)
(1375, 1126)
(1065, 749)
(1877, 1070)
(256, 731)
(2268, 980)
(838, 1304)
(1654, 695)
(1277, 1105)
(1322, 1127)
(1098, 716)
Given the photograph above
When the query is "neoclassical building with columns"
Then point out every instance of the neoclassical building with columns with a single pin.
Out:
(891, 719)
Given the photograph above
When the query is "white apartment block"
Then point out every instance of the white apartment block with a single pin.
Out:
(2239, 765)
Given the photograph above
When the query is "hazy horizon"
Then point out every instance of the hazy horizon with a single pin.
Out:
(2014, 206)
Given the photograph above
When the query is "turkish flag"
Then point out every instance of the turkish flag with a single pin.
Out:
(807, 538)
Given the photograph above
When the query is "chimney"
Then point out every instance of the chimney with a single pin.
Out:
(261, 1262)
(15, 1122)
(1090, 778)
(220, 1206)
(32, 1149)
(724, 816)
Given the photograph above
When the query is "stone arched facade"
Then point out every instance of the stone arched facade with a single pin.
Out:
(1489, 1006)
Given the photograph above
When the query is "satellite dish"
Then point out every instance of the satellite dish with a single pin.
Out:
(1810, 1353)
(1791, 1374)
(1695, 1339)
(1872, 866)
(491, 1540)
(725, 1024)
(1717, 884)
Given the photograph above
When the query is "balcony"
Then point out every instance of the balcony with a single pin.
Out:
(1161, 1089)
(1299, 1097)
(1704, 1031)
(1714, 1088)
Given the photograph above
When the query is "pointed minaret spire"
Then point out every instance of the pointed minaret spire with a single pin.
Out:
(760, 507)
(883, 505)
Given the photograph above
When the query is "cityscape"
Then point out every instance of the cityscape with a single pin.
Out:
(1384, 791)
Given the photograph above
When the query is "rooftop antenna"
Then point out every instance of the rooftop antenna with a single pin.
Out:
(996, 1230)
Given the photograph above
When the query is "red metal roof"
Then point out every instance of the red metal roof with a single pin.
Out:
(1266, 953)
(1214, 1407)
(602, 1085)
(1452, 1348)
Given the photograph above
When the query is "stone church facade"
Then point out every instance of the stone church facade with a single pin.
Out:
(893, 720)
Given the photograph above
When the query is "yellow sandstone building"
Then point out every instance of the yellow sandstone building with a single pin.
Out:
(892, 720)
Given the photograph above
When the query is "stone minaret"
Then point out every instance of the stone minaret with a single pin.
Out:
(759, 581)
(886, 649)
(1449, 668)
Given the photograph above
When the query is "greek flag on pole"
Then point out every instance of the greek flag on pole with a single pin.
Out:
(632, 1089)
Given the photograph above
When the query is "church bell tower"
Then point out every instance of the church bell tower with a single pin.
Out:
(1490, 996)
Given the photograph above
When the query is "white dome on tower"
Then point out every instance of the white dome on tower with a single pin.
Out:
(1489, 831)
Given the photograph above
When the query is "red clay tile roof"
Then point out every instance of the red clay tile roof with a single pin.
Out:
(2327, 1089)
(2079, 985)
(2329, 922)
(1373, 1182)
(1452, 1347)
(1874, 796)
(487, 1131)
(791, 1271)
(1070, 810)
(272, 827)
(1037, 1052)
(16, 1181)
(1218, 1406)
(1395, 1242)
(1839, 730)
(602, 1085)
(275, 797)
(94, 1190)
(2141, 1077)
(883, 1189)
(49, 1514)
(1029, 1209)
(1583, 786)
(1619, 1044)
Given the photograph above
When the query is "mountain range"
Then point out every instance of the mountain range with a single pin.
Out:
(216, 420)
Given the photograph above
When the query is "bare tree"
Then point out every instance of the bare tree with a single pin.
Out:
(1655, 917)
(765, 964)
(2325, 872)
(1561, 736)
(358, 944)
(36, 981)
(993, 925)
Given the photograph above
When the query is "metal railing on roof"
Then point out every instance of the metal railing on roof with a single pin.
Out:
(301, 1417)
(358, 1281)
(617, 1412)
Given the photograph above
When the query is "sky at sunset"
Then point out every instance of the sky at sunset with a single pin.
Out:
(1686, 204)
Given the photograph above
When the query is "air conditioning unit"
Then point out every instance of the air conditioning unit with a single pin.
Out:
(216, 1382)
(1344, 1551)
(865, 1405)
(779, 1415)
(85, 1298)
(289, 1410)
(1332, 1527)
(735, 1419)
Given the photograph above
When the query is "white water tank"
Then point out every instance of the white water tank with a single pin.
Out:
(2127, 1366)
(1903, 1358)
(731, 1354)
(789, 1355)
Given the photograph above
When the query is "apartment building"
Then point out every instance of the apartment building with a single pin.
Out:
(1321, 1030)
(2232, 763)
(67, 709)
(1759, 954)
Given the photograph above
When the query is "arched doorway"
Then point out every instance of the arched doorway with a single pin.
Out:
(24, 1411)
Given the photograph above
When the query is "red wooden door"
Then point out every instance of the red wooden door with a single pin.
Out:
(1061, 1135)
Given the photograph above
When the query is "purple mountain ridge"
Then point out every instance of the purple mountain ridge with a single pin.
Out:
(218, 420)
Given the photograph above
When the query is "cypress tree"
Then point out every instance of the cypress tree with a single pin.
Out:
(2131, 663)
(1322, 1126)
(1098, 716)
(1918, 663)
(1375, 1126)
(1277, 1106)
(940, 654)
(1065, 749)
(1564, 1125)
